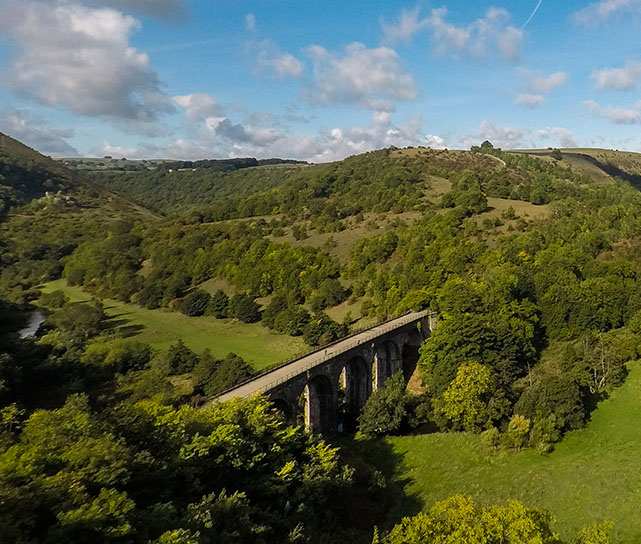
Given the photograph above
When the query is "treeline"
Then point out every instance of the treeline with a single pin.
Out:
(93, 448)
(571, 282)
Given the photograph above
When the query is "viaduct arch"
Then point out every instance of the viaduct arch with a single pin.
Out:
(327, 389)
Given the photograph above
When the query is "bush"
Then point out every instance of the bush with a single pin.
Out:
(181, 359)
(491, 438)
(385, 411)
(218, 305)
(195, 303)
(244, 308)
(54, 300)
(321, 330)
(212, 376)
(553, 396)
(517, 431)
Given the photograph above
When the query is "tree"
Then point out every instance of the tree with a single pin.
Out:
(244, 308)
(517, 431)
(221, 375)
(85, 320)
(558, 396)
(195, 303)
(473, 401)
(181, 359)
(386, 409)
(459, 519)
(219, 305)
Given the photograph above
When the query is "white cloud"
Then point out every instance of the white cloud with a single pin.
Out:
(160, 9)
(199, 106)
(529, 100)
(489, 34)
(228, 139)
(367, 78)
(597, 12)
(283, 65)
(617, 78)
(504, 137)
(405, 29)
(564, 136)
(250, 22)
(33, 132)
(546, 84)
(537, 85)
(80, 58)
(617, 115)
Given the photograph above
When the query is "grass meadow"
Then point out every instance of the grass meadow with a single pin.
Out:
(593, 475)
(161, 328)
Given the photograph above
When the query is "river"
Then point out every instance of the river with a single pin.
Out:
(35, 319)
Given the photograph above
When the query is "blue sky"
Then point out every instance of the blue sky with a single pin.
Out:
(317, 80)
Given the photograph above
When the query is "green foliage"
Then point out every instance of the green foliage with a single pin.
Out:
(180, 358)
(212, 377)
(385, 411)
(147, 472)
(195, 303)
(553, 396)
(517, 432)
(459, 519)
(322, 330)
(54, 300)
(218, 305)
(83, 320)
(244, 308)
(473, 401)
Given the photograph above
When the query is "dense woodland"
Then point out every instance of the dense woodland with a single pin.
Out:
(537, 320)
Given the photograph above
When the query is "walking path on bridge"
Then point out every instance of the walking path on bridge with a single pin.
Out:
(270, 379)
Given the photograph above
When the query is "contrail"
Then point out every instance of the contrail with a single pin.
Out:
(533, 14)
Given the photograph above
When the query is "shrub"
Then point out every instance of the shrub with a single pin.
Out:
(386, 409)
(244, 308)
(195, 303)
(218, 305)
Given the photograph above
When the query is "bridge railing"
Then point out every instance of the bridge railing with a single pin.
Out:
(330, 352)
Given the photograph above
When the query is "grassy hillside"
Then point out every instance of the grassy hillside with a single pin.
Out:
(161, 328)
(593, 475)
(602, 165)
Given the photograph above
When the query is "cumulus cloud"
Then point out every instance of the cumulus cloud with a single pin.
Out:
(408, 25)
(199, 106)
(597, 12)
(617, 115)
(229, 139)
(283, 64)
(563, 136)
(617, 78)
(546, 84)
(538, 85)
(32, 131)
(528, 100)
(488, 34)
(504, 137)
(77, 57)
(367, 78)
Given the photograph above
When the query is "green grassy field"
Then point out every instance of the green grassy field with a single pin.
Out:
(593, 475)
(160, 328)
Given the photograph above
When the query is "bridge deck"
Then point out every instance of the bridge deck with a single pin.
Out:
(271, 379)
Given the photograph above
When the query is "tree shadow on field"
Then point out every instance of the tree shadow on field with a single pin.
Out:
(122, 327)
(378, 496)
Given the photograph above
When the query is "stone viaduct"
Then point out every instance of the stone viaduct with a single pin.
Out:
(327, 389)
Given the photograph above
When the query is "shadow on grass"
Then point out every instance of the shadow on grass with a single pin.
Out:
(121, 327)
(379, 495)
